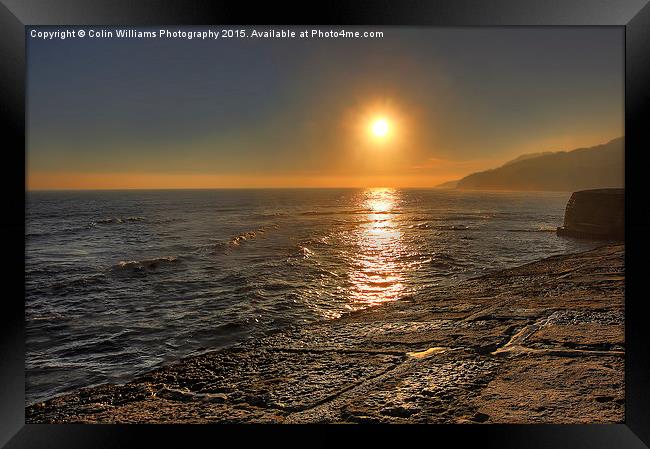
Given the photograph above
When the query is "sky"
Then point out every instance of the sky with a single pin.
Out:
(231, 113)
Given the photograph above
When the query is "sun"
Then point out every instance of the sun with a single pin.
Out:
(380, 127)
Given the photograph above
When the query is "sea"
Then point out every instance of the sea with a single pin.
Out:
(120, 282)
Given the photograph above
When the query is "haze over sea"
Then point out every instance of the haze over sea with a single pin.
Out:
(118, 282)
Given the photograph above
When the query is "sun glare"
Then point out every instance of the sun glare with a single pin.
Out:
(380, 127)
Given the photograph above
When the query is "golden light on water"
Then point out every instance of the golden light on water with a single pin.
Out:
(380, 200)
(377, 276)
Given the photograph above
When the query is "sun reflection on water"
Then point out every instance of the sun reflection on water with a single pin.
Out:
(376, 274)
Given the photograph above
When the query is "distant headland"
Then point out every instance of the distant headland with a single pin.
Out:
(599, 166)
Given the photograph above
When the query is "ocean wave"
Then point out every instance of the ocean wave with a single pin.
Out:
(305, 252)
(116, 220)
(277, 285)
(540, 229)
(472, 216)
(97, 345)
(318, 241)
(145, 264)
(60, 231)
(426, 225)
(45, 317)
(250, 235)
(349, 212)
(454, 227)
(79, 282)
(74, 229)
(217, 247)
(268, 215)
(445, 261)
(334, 212)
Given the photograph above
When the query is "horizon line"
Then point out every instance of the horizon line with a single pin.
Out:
(296, 188)
(233, 188)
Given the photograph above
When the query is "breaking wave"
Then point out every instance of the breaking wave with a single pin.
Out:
(145, 264)
(250, 235)
(116, 220)
(540, 229)
(426, 225)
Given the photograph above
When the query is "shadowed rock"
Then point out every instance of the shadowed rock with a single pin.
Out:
(595, 214)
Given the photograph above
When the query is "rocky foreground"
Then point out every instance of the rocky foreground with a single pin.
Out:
(541, 343)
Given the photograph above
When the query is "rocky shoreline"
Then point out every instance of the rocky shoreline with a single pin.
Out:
(540, 343)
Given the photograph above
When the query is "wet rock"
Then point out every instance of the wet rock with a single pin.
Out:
(399, 412)
(174, 395)
(480, 417)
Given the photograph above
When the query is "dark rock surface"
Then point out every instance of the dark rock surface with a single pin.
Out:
(595, 214)
(540, 343)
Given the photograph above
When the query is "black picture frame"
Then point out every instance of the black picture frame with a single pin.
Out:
(633, 15)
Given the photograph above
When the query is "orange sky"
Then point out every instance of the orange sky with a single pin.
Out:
(428, 173)
(114, 114)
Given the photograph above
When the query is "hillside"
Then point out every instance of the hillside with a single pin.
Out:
(448, 185)
(523, 157)
(583, 168)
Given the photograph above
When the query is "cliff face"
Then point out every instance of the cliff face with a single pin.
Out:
(597, 213)
(584, 168)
